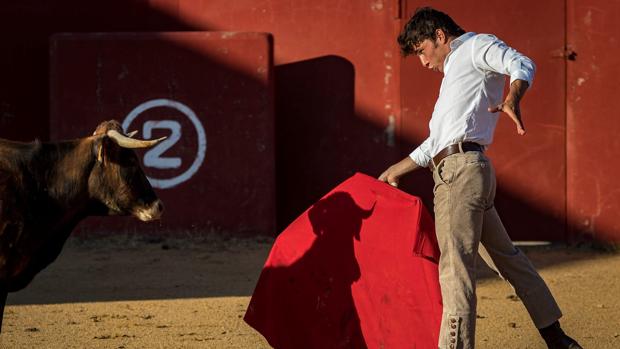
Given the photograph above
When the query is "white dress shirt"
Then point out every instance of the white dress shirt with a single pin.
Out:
(473, 81)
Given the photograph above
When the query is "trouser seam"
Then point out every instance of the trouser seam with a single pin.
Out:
(451, 248)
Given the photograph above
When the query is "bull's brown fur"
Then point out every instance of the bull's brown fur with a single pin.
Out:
(47, 188)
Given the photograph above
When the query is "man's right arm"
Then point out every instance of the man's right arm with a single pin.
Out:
(420, 157)
(393, 173)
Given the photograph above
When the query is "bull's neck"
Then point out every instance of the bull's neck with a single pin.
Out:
(64, 171)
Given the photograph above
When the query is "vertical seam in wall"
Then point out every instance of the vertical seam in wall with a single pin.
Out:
(567, 228)
(398, 62)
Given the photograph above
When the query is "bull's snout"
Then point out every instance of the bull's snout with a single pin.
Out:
(151, 212)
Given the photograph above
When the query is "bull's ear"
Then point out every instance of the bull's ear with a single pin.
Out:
(100, 153)
(99, 149)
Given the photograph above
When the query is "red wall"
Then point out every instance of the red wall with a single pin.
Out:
(336, 77)
(340, 106)
(592, 119)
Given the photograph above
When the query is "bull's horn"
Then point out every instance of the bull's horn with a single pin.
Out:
(131, 134)
(127, 142)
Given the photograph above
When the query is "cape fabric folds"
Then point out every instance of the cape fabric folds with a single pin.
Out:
(358, 269)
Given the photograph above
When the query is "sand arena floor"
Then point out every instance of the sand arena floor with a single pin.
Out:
(127, 292)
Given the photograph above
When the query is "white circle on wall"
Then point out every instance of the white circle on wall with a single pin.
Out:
(202, 138)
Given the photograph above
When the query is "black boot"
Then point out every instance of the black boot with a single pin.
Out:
(557, 339)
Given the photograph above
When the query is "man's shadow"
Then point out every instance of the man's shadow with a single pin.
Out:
(310, 301)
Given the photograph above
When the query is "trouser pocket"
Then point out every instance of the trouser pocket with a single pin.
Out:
(444, 173)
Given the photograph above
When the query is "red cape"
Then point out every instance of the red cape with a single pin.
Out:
(356, 270)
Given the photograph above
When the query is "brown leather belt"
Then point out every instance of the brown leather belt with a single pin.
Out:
(453, 149)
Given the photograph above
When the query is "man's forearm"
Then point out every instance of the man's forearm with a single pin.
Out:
(405, 166)
(517, 90)
(393, 173)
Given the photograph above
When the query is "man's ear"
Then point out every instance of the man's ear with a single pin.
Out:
(441, 36)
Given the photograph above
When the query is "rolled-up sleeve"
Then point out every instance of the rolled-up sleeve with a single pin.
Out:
(421, 154)
(492, 54)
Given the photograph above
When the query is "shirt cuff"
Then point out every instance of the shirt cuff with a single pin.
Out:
(521, 75)
(420, 158)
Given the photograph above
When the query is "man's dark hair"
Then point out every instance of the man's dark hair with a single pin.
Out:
(423, 25)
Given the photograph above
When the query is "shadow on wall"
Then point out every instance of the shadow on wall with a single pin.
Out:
(320, 141)
(25, 29)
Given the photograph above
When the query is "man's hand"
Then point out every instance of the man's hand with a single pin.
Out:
(389, 177)
(393, 173)
(511, 105)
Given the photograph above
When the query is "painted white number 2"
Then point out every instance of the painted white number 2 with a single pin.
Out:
(153, 158)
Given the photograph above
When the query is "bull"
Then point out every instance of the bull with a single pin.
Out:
(46, 189)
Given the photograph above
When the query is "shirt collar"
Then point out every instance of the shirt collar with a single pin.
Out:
(455, 44)
(460, 40)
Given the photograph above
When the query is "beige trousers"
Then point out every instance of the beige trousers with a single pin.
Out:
(467, 224)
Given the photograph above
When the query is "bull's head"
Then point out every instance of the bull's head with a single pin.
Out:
(117, 180)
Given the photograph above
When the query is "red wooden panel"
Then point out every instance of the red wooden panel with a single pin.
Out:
(592, 122)
(210, 93)
(530, 169)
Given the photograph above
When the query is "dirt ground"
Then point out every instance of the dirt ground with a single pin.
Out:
(127, 292)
